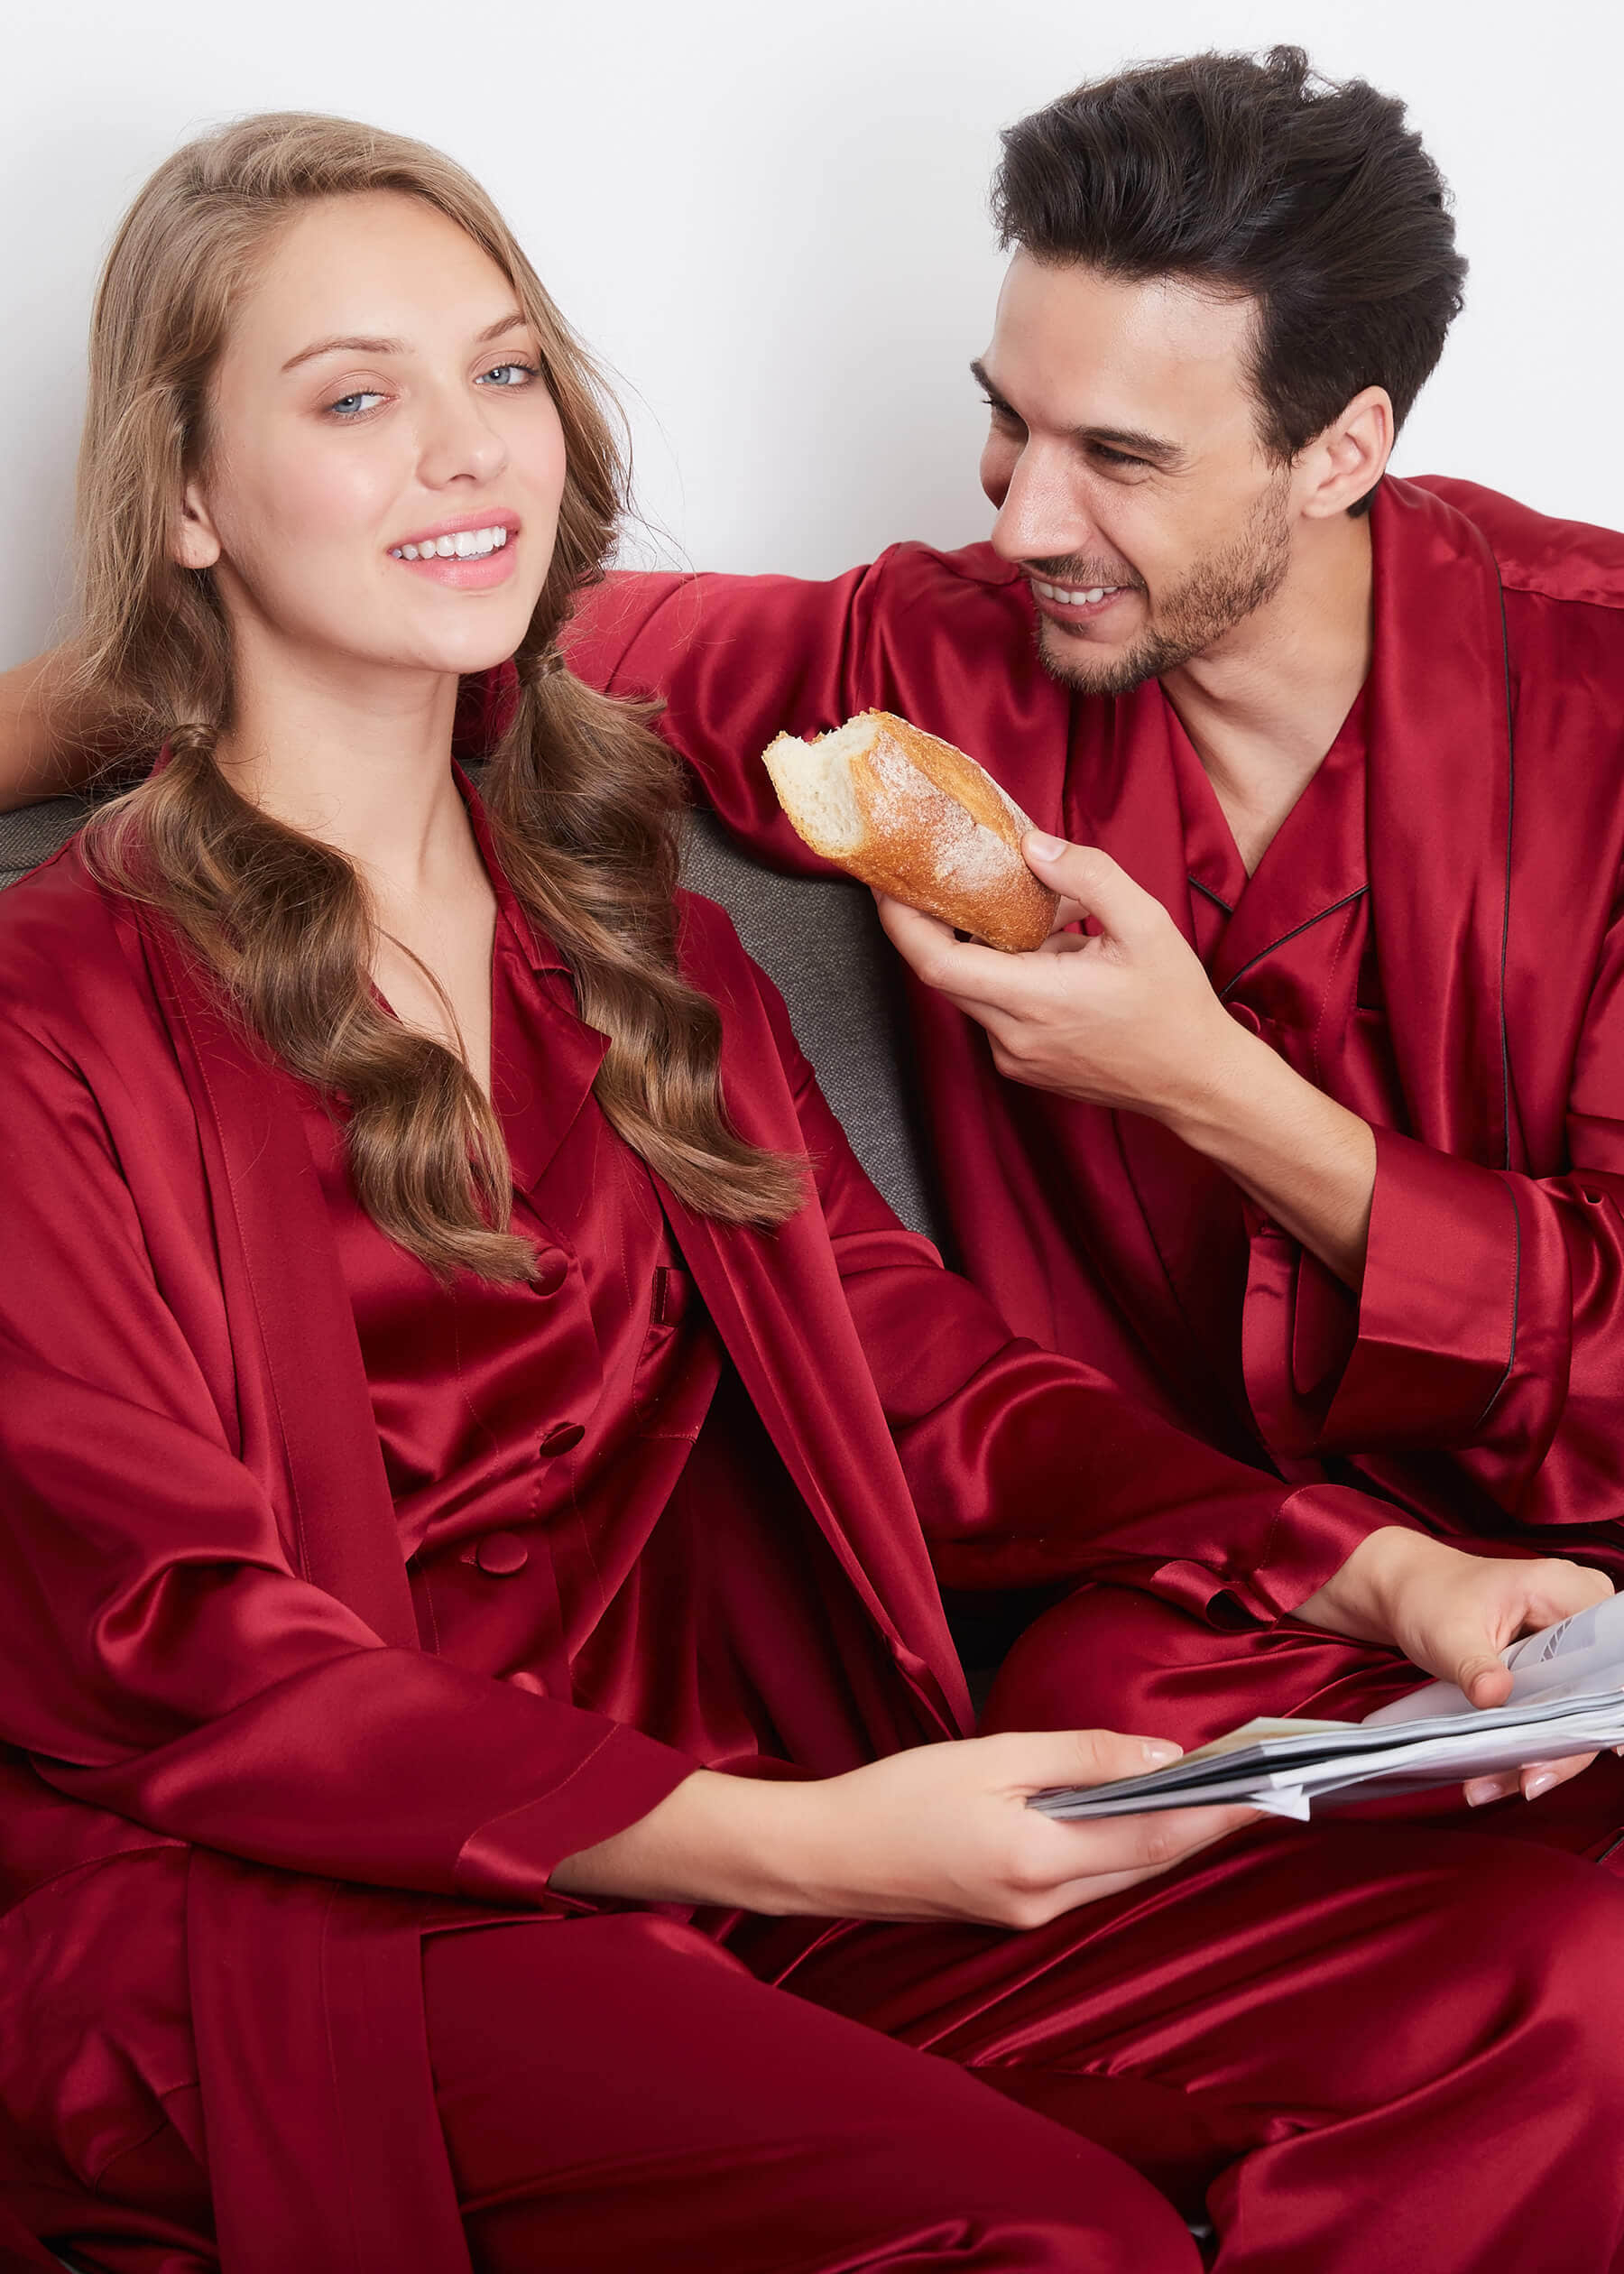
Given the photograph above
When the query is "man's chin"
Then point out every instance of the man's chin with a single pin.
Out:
(1087, 671)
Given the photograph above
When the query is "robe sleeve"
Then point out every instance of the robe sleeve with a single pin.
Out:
(1028, 1467)
(1489, 1330)
(159, 1656)
(736, 661)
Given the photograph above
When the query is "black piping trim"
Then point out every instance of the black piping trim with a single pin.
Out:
(1346, 901)
(1504, 1036)
(1612, 1849)
(1207, 893)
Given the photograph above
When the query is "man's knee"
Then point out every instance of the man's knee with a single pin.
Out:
(1100, 1660)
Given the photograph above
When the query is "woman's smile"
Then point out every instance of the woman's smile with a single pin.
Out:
(470, 554)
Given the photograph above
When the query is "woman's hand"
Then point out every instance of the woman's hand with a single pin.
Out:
(939, 1832)
(1453, 1613)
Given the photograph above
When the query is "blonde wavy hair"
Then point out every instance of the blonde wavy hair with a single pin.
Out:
(583, 798)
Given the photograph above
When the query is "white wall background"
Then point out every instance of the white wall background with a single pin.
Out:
(771, 219)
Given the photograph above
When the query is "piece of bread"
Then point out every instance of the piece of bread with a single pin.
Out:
(915, 817)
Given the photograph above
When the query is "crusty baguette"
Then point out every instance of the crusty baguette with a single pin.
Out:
(915, 817)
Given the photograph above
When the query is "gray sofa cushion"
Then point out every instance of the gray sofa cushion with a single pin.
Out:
(817, 939)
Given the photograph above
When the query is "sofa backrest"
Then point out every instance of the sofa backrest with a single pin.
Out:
(817, 939)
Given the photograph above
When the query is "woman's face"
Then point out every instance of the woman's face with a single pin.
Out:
(380, 397)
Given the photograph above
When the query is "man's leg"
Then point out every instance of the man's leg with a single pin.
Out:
(619, 2092)
(1370, 2047)
(1113, 1658)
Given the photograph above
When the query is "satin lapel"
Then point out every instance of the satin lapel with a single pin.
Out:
(1439, 820)
(770, 1321)
(540, 1087)
(259, 1164)
(1123, 795)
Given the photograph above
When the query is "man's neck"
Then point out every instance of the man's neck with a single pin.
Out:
(1263, 706)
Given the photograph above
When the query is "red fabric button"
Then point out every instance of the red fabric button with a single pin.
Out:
(564, 1438)
(502, 1553)
(551, 1271)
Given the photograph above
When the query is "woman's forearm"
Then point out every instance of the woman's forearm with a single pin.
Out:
(734, 1841)
(940, 1831)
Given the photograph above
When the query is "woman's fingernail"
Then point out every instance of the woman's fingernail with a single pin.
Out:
(1540, 1782)
(1482, 1790)
(1160, 1751)
(1043, 848)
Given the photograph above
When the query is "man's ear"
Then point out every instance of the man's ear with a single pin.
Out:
(196, 542)
(1347, 460)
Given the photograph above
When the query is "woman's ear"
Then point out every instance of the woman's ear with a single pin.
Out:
(197, 544)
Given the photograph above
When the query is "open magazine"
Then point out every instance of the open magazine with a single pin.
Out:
(1567, 1697)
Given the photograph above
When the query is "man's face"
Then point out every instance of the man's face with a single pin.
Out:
(1130, 477)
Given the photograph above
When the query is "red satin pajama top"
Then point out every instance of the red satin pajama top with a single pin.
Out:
(537, 1438)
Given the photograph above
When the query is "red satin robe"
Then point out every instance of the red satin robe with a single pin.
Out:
(303, 1676)
(1434, 939)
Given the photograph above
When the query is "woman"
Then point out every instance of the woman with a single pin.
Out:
(474, 1685)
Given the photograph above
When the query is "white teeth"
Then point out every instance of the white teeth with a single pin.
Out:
(1069, 599)
(468, 545)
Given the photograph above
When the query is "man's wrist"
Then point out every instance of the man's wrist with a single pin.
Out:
(1219, 1089)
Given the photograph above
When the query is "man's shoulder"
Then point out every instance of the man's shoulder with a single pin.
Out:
(61, 962)
(1536, 552)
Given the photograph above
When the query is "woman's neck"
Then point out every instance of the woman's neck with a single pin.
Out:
(358, 759)
(363, 766)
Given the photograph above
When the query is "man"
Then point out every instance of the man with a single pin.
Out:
(1317, 1144)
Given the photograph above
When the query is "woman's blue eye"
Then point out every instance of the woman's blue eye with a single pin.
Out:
(510, 374)
(352, 406)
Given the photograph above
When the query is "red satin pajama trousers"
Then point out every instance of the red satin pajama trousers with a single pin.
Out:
(1367, 2048)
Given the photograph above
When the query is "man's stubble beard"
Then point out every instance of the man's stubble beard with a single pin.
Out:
(1219, 591)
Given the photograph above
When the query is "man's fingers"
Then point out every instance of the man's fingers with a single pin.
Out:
(1091, 881)
(973, 975)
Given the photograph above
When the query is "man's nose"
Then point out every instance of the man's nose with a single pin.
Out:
(1041, 517)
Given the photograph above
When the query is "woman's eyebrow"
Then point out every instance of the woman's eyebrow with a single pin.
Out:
(514, 320)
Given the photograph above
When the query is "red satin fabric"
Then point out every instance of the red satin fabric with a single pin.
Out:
(1448, 960)
(252, 1756)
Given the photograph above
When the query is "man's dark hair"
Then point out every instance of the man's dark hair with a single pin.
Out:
(1314, 199)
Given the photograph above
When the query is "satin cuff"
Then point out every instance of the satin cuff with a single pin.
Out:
(510, 1857)
(1436, 1322)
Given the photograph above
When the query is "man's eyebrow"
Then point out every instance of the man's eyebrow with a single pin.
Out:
(348, 345)
(1152, 448)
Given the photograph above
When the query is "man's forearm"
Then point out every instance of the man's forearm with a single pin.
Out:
(46, 746)
(1296, 1152)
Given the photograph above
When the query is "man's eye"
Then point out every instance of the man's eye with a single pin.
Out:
(354, 406)
(1115, 457)
(509, 375)
(1001, 412)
